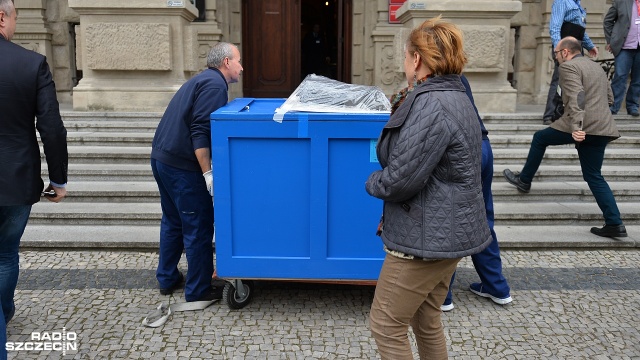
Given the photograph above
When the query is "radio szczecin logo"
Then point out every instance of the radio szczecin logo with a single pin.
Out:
(46, 341)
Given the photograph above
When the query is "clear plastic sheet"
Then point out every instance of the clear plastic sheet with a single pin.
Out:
(321, 94)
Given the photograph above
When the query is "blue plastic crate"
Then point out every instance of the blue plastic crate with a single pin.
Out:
(290, 201)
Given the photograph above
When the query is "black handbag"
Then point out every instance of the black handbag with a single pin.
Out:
(571, 29)
(558, 110)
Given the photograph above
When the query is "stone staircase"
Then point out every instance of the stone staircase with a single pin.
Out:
(113, 200)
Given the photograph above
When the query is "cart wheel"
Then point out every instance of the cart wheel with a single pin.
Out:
(234, 299)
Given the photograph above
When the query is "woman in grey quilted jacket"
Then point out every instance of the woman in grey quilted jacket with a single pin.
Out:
(430, 152)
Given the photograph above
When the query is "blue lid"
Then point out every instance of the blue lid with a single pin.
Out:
(265, 109)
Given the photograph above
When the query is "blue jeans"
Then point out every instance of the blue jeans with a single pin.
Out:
(487, 263)
(627, 61)
(591, 154)
(13, 220)
(187, 224)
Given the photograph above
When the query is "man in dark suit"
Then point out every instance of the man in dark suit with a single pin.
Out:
(27, 92)
(622, 33)
(587, 123)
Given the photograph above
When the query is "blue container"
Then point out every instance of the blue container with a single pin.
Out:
(290, 201)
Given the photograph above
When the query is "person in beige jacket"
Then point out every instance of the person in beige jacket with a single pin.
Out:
(587, 122)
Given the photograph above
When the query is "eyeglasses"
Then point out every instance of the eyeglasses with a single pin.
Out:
(556, 52)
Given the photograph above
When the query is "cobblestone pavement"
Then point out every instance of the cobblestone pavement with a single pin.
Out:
(567, 305)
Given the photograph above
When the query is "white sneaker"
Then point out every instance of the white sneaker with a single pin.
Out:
(447, 307)
(476, 288)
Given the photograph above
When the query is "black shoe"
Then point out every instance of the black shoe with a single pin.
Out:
(514, 179)
(547, 121)
(610, 231)
(177, 286)
(214, 293)
(634, 113)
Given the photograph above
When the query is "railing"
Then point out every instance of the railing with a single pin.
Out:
(608, 67)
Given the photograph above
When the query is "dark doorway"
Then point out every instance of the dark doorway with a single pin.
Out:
(272, 33)
(325, 26)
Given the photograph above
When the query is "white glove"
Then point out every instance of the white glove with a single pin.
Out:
(208, 178)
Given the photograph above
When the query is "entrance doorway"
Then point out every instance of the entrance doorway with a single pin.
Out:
(325, 26)
(274, 53)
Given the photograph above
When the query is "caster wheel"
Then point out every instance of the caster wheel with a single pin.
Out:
(234, 298)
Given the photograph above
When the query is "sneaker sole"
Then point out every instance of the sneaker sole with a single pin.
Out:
(446, 308)
(499, 301)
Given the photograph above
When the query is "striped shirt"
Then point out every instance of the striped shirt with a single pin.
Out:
(568, 11)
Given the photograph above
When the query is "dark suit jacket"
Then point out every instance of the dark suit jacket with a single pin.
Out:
(27, 92)
(616, 24)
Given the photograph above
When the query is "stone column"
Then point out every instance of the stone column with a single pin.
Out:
(207, 33)
(134, 54)
(31, 30)
(486, 28)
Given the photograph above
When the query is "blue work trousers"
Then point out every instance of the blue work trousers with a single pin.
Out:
(187, 224)
(591, 155)
(487, 263)
(13, 221)
(627, 62)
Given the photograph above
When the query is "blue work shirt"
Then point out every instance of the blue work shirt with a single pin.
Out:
(568, 11)
(185, 125)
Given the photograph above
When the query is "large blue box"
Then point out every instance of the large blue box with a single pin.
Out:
(290, 200)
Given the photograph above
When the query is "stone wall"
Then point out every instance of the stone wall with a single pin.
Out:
(48, 27)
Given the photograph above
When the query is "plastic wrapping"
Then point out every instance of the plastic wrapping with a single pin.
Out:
(321, 94)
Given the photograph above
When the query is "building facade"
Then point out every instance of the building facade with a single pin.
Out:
(132, 55)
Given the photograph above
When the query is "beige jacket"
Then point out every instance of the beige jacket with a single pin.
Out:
(586, 95)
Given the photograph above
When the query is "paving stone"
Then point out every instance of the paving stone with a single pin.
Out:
(567, 305)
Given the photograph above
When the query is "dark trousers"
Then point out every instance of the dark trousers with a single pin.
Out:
(552, 98)
(187, 224)
(591, 154)
(487, 263)
(13, 221)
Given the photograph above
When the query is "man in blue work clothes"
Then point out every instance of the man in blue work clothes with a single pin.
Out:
(488, 264)
(181, 164)
(568, 18)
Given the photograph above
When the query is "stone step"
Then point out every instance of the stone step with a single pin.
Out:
(105, 172)
(146, 237)
(561, 172)
(566, 155)
(104, 138)
(568, 191)
(519, 140)
(142, 172)
(113, 192)
(626, 129)
(561, 236)
(92, 213)
(560, 213)
(536, 118)
(506, 213)
(63, 236)
(561, 155)
(546, 191)
(107, 154)
(110, 120)
(503, 139)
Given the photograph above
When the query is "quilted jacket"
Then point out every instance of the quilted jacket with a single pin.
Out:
(430, 152)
